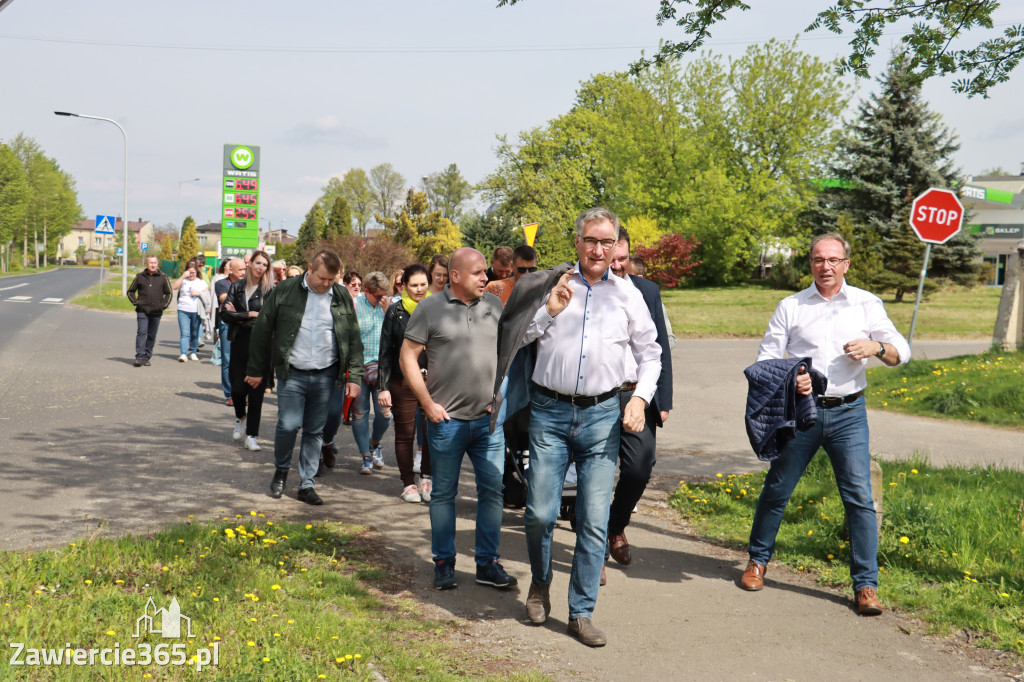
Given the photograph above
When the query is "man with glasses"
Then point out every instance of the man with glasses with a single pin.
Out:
(584, 321)
(839, 327)
(524, 260)
(370, 307)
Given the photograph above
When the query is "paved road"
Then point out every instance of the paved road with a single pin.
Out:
(89, 443)
(23, 298)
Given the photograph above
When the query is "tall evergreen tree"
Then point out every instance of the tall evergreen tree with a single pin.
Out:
(310, 233)
(447, 191)
(897, 149)
(423, 231)
(188, 247)
(339, 221)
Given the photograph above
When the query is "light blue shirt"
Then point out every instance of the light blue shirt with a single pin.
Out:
(315, 347)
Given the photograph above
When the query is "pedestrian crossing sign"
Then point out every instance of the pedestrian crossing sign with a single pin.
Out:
(104, 224)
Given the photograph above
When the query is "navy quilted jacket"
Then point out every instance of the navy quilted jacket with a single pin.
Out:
(774, 409)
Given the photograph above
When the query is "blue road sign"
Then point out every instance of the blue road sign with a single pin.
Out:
(105, 224)
(144, 246)
(120, 251)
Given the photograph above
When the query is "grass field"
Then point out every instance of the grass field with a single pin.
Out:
(951, 549)
(29, 270)
(743, 312)
(272, 600)
(987, 388)
(109, 299)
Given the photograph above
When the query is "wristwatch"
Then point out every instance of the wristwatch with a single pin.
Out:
(881, 350)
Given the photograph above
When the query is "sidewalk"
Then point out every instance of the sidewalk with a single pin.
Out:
(88, 439)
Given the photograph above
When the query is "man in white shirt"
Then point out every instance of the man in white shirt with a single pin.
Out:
(839, 327)
(584, 322)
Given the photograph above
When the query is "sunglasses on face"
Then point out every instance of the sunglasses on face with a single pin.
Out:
(523, 269)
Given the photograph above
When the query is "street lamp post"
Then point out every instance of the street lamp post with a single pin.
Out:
(124, 244)
(180, 183)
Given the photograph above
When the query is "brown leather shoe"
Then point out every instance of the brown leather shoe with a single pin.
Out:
(753, 577)
(538, 603)
(583, 630)
(867, 602)
(327, 455)
(619, 548)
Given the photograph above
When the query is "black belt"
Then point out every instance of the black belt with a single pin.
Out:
(576, 400)
(829, 402)
(293, 368)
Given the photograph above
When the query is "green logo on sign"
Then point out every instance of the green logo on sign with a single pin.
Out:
(242, 157)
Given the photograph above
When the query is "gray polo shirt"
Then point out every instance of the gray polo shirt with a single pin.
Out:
(462, 350)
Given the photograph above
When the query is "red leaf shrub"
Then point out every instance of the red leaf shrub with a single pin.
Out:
(670, 261)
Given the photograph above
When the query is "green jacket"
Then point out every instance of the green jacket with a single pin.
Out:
(278, 325)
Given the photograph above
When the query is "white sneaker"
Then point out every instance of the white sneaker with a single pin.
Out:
(426, 487)
(417, 460)
(251, 444)
(239, 432)
(193, 357)
(378, 456)
(182, 358)
(411, 494)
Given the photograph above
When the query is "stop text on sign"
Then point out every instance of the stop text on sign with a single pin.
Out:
(938, 216)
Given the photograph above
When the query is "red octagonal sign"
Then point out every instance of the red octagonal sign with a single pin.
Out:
(936, 216)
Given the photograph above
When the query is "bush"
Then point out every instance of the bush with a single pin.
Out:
(670, 261)
(367, 255)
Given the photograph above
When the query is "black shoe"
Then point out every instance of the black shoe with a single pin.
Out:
(138, 363)
(277, 485)
(309, 496)
(320, 469)
(494, 575)
(444, 574)
(328, 455)
(146, 362)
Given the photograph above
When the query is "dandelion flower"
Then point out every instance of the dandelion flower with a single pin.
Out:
(830, 556)
(250, 643)
(904, 540)
(913, 471)
(265, 659)
(810, 532)
(89, 582)
(275, 587)
(110, 632)
(308, 526)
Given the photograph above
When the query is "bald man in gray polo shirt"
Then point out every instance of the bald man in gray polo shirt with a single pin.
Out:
(458, 329)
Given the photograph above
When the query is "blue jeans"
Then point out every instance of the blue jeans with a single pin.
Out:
(188, 324)
(451, 440)
(560, 433)
(843, 432)
(302, 403)
(225, 359)
(361, 418)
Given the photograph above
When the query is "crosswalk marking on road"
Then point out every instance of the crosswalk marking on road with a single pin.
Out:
(20, 299)
(52, 301)
(28, 299)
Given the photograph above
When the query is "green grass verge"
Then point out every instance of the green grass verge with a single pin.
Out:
(951, 549)
(109, 298)
(29, 270)
(743, 312)
(277, 601)
(987, 388)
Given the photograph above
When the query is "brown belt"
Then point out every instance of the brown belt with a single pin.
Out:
(627, 387)
(829, 402)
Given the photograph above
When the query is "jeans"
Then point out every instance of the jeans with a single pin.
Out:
(843, 432)
(145, 337)
(188, 324)
(225, 359)
(361, 418)
(559, 433)
(302, 403)
(448, 442)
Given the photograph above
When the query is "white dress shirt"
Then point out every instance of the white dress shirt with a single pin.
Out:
(807, 324)
(582, 350)
(314, 346)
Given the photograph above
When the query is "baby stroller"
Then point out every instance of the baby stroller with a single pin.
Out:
(517, 464)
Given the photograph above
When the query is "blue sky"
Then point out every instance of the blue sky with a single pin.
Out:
(327, 86)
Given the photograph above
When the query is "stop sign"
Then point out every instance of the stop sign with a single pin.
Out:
(936, 216)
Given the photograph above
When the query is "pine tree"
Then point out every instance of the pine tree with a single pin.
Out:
(310, 232)
(423, 231)
(339, 222)
(167, 248)
(898, 148)
(188, 247)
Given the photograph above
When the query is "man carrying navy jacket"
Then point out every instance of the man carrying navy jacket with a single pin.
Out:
(637, 450)
(839, 327)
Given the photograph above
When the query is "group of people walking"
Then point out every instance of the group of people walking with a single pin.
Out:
(574, 360)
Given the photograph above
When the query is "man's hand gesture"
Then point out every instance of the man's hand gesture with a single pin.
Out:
(560, 295)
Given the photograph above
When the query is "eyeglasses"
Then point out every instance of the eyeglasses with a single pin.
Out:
(592, 243)
(832, 262)
(523, 268)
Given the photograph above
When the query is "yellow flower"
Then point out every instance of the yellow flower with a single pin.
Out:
(252, 513)
(216, 599)
(339, 659)
(308, 526)
(904, 540)
(119, 582)
(810, 532)
(913, 471)
(166, 568)
(110, 632)
(89, 582)
(265, 659)
(250, 643)
(830, 556)
(718, 475)
(275, 587)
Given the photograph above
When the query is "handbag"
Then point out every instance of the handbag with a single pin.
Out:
(371, 374)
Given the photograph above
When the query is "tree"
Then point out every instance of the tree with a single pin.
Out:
(188, 246)
(339, 221)
(896, 150)
(166, 248)
(366, 255)
(423, 231)
(14, 192)
(310, 232)
(386, 184)
(670, 261)
(355, 187)
(447, 191)
(928, 44)
(486, 232)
